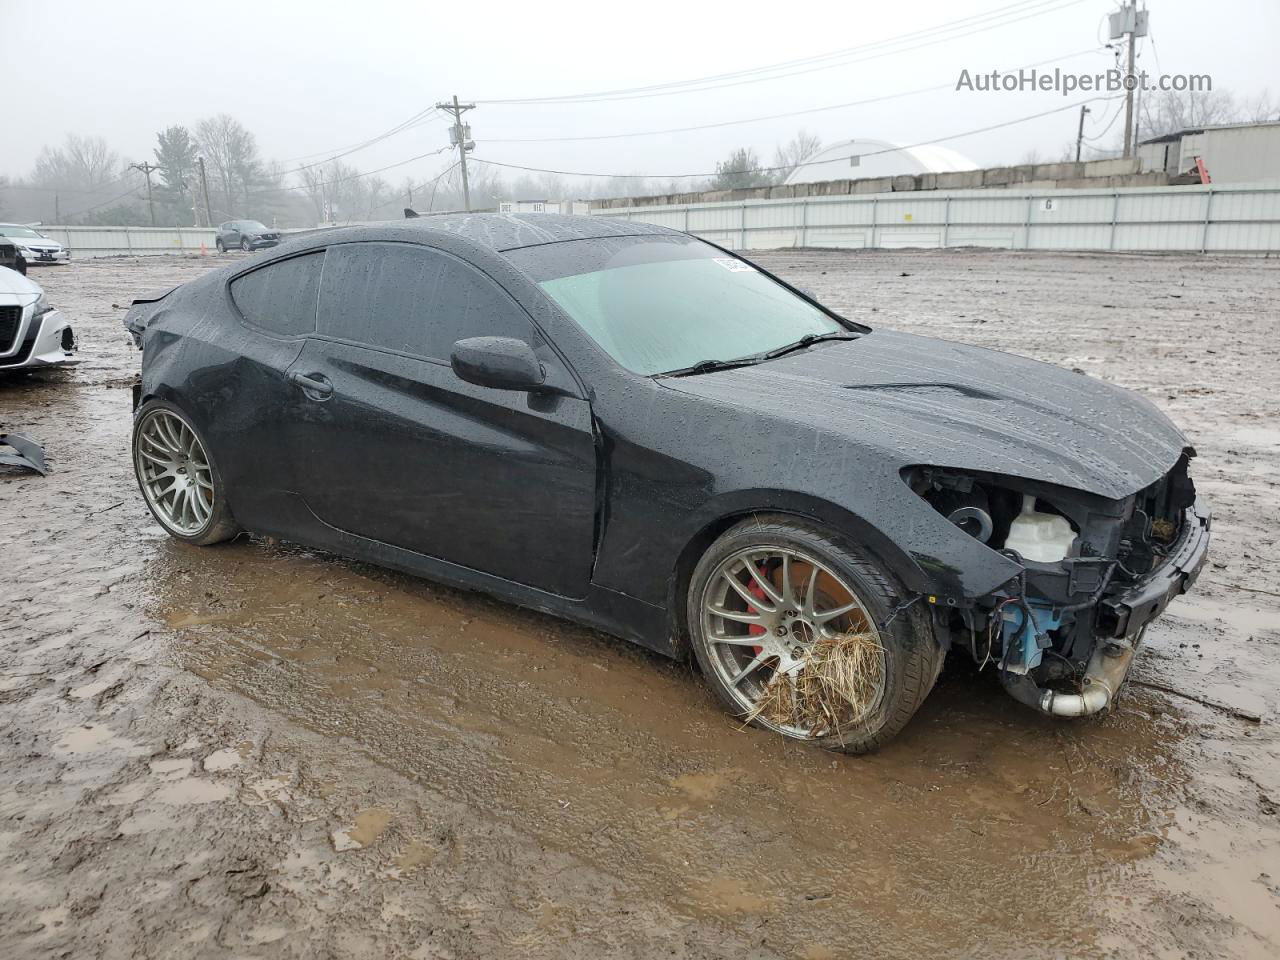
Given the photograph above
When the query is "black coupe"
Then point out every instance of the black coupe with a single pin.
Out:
(633, 428)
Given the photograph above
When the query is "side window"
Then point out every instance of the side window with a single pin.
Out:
(281, 297)
(412, 299)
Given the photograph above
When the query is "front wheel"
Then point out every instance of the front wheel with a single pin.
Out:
(245, 245)
(794, 628)
(178, 478)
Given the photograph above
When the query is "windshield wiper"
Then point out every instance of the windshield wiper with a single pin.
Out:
(710, 366)
(806, 341)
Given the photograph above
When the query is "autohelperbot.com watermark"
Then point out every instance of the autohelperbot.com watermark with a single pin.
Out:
(1067, 83)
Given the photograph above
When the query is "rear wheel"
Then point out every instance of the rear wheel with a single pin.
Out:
(218, 244)
(178, 478)
(793, 628)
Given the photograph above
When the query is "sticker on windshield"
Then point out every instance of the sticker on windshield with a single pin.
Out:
(734, 266)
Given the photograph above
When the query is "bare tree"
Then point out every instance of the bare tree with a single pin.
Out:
(313, 185)
(231, 157)
(796, 151)
(1261, 109)
(82, 163)
(376, 191)
(1170, 111)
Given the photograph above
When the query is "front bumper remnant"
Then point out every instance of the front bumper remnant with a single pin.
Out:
(19, 450)
(1136, 606)
(1130, 609)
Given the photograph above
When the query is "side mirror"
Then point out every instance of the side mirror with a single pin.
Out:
(503, 363)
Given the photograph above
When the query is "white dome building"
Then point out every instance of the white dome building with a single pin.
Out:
(856, 159)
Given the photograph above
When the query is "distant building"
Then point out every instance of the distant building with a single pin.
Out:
(543, 206)
(1232, 152)
(857, 159)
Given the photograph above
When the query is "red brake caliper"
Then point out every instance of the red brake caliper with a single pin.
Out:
(754, 589)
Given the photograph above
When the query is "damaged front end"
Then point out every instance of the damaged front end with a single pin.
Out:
(1094, 573)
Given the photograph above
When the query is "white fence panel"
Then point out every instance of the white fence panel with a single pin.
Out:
(136, 241)
(1236, 219)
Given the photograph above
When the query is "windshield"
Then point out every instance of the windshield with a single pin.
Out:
(660, 304)
(253, 226)
(25, 232)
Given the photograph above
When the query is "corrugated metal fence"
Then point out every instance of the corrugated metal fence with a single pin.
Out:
(113, 241)
(1207, 219)
(146, 241)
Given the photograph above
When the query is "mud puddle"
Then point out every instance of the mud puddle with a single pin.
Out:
(623, 759)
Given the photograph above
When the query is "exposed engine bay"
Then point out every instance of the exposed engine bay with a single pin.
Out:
(1095, 572)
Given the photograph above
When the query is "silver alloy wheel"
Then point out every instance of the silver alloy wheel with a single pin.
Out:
(174, 470)
(764, 608)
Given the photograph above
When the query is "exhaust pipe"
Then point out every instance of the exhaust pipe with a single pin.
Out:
(1106, 671)
(1102, 679)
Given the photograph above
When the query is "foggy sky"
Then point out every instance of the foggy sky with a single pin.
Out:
(310, 77)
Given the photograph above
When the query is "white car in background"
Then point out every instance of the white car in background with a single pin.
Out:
(34, 246)
(32, 333)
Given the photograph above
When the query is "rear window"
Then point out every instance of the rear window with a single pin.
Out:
(281, 297)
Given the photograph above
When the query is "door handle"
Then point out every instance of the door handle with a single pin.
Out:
(314, 385)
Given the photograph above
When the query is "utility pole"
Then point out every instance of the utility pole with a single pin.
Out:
(204, 186)
(1080, 131)
(1131, 23)
(460, 137)
(57, 210)
(147, 169)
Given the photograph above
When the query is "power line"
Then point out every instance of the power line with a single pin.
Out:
(98, 188)
(982, 22)
(430, 182)
(774, 116)
(673, 86)
(807, 163)
(355, 176)
(423, 116)
(1105, 130)
(78, 213)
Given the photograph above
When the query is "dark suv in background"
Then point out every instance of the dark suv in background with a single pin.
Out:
(245, 234)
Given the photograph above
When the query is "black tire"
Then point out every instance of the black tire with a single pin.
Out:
(220, 525)
(218, 246)
(245, 245)
(912, 657)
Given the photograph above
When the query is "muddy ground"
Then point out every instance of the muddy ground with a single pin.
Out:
(261, 751)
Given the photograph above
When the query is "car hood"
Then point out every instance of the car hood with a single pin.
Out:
(44, 243)
(14, 283)
(925, 401)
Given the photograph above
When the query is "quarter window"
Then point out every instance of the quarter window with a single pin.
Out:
(413, 300)
(281, 297)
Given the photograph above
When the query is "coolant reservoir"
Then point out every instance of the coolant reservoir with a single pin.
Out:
(1042, 537)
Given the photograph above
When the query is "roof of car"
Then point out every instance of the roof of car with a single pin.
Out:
(510, 231)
